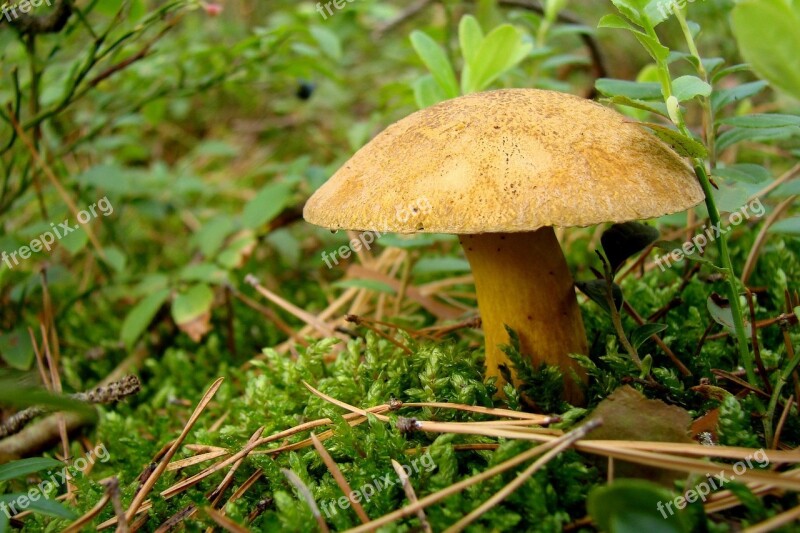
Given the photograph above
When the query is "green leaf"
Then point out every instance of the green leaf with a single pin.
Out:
(745, 172)
(615, 21)
(499, 52)
(766, 31)
(16, 395)
(720, 99)
(633, 506)
(787, 226)
(42, 505)
(687, 87)
(206, 272)
(737, 135)
(76, 240)
(23, 467)
(191, 304)
(624, 240)
(16, 348)
(266, 205)
(141, 315)
(633, 10)
(683, 145)
(675, 246)
(328, 41)
(631, 89)
(657, 108)
(470, 37)
(596, 290)
(428, 92)
(657, 51)
(762, 120)
(433, 265)
(369, 284)
(115, 258)
(722, 313)
(644, 332)
(437, 62)
(212, 234)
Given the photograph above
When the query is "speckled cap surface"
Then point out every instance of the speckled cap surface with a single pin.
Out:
(505, 161)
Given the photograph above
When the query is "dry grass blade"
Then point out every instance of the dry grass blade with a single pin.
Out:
(197, 459)
(430, 499)
(411, 495)
(306, 494)
(189, 482)
(162, 465)
(224, 522)
(289, 307)
(216, 495)
(561, 444)
(146, 506)
(343, 405)
(81, 522)
(492, 411)
(333, 468)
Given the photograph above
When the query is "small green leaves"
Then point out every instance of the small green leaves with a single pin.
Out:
(266, 205)
(723, 97)
(745, 172)
(634, 505)
(722, 313)
(597, 291)
(23, 467)
(486, 58)
(763, 120)
(644, 332)
(141, 315)
(622, 241)
(683, 145)
(630, 89)
(191, 304)
(766, 31)
(437, 62)
(688, 87)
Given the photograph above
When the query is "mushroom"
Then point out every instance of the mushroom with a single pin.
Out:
(500, 169)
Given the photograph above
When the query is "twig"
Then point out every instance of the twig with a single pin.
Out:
(115, 391)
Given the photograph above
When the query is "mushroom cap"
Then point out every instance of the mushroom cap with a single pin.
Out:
(501, 161)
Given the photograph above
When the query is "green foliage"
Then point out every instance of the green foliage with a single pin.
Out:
(207, 134)
(632, 505)
(486, 57)
(765, 32)
(544, 386)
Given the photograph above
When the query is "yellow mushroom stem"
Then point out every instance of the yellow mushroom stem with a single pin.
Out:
(522, 280)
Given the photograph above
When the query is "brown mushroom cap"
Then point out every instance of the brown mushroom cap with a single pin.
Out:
(510, 160)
